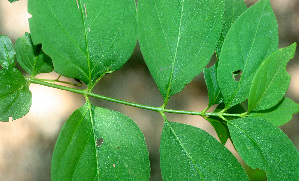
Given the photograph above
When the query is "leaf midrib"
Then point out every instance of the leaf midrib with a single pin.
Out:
(277, 70)
(241, 78)
(175, 54)
(67, 34)
(85, 36)
(184, 148)
(261, 149)
(94, 135)
(69, 143)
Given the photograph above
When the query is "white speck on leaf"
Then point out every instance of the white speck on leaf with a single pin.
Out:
(85, 10)
(77, 4)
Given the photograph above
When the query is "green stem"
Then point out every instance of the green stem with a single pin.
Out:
(202, 114)
(60, 81)
(161, 110)
(86, 93)
(48, 84)
(152, 108)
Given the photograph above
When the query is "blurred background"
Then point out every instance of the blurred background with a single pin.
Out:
(26, 144)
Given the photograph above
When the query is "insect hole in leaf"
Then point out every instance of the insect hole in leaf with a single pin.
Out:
(237, 75)
(100, 142)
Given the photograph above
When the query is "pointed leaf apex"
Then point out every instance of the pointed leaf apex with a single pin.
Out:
(271, 80)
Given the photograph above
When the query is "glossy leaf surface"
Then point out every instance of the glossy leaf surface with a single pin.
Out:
(210, 75)
(177, 39)
(85, 39)
(250, 40)
(7, 52)
(189, 153)
(263, 145)
(15, 96)
(97, 144)
(280, 113)
(232, 10)
(31, 58)
(271, 81)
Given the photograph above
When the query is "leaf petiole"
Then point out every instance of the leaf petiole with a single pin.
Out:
(60, 81)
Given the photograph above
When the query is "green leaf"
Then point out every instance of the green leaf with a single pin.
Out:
(15, 96)
(279, 114)
(263, 145)
(271, 81)
(7, 52)
(123, 154)
(85, 39)
(189, 153)
(220, 128)
(232, 10)
(75, 150)
(80, 155)
(31, 58)
(250, 40)
(177, 39)
(219, 125)
(210, 75)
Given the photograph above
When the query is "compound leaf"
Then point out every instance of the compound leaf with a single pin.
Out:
(177, 39)
(100, 144)
(271, 81)
(279, 114)
(232, 10)
(7, 52)
(85, 39)
(210, 75)
(263, 145)
(252, 37)
(189, 153)
(15, 96)
(31, 58)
